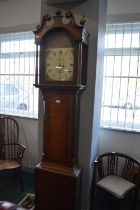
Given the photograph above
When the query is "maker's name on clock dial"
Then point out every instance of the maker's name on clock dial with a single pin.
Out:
(59, 64)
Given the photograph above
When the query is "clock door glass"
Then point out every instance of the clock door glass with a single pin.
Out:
(59, 64)
(59, 57)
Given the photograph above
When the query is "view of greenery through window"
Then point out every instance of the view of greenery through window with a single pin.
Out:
(121, 81)
(18, 96)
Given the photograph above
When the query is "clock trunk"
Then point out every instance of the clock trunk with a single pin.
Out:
(60, 126)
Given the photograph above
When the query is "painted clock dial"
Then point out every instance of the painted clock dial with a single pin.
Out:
(59, 64)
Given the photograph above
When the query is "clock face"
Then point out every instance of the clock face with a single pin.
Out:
(59, 64)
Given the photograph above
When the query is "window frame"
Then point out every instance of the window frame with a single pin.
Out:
(121, 52)
(19, 55)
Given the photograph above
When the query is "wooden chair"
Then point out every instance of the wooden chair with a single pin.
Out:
(11, 151)
(114, 173)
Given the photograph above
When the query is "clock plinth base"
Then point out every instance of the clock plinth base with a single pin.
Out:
(57, 188)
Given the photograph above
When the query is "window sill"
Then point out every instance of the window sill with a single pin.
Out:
(120, 130)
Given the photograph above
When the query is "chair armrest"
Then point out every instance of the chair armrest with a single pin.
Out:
(95, 171)
(98, 169)
(20, 152)
(12, 151)
(23, 146)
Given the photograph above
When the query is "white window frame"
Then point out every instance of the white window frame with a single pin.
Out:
(122, 52)
(17, 70)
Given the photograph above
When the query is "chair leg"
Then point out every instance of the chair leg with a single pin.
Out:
(92, 195)
(131, 200)
(19, 173)
(135, 200)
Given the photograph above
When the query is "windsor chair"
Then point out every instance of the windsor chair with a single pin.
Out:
(11, 151)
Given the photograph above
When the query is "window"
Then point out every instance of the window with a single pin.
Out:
(18, 96)
(121, 81)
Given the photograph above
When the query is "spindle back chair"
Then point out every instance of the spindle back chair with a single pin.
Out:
(11, 151)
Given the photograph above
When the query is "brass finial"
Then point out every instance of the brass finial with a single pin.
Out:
(38, 26)
(83, 21)
(47, 17)
(58, 12)
(68, 14)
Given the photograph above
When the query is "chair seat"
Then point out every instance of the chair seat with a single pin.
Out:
(9, 164)
(115, 185)
(6, 205)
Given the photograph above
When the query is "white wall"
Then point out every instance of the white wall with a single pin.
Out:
(19, 12)
(111, 140)
(119, 141)
(123, 7)
(29, 137)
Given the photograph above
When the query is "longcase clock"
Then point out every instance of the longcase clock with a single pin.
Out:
(61, 61)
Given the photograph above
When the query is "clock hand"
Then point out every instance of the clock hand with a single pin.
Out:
(67, 70)
(58, 67)
(60, 63)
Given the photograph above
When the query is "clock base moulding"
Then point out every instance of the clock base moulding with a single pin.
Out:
(57, 187)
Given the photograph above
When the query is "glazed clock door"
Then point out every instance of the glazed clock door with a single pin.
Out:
(57, 51)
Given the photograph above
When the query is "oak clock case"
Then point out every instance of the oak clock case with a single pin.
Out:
(61, 77)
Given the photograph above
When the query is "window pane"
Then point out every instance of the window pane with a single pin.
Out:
(127, 40)
(134, 66)
(119, 40)
(125, 65)
(117, 65)
(109, 65)
(111, 42)
(135, 40)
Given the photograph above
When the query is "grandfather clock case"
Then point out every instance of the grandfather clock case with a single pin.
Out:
(61, 69)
